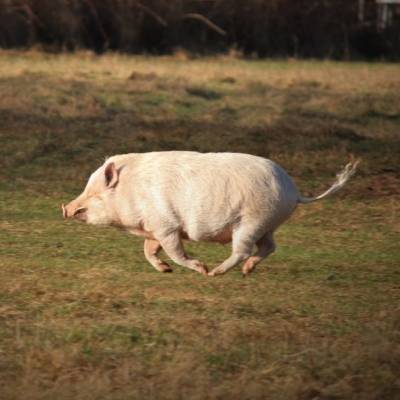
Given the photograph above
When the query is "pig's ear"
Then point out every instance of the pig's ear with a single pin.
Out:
(111, 175)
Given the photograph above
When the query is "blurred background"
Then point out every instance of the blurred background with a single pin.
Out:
(339, 29)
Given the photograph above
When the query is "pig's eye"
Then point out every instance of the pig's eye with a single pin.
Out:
(80, 211)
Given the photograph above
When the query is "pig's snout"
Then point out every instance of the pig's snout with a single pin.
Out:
(71, 211)
(64, 211)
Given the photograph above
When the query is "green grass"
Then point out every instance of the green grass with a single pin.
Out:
(84, 316)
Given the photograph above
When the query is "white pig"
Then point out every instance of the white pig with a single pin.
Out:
(169, 196)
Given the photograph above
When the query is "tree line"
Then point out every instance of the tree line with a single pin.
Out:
(260, 28)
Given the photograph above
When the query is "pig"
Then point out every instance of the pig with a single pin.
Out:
(166, 197)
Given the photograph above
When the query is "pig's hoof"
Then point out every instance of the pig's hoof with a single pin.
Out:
(203, 270)
(164, 267)
(215, 272)
(199, 267)
(248, 268)
(246, 272)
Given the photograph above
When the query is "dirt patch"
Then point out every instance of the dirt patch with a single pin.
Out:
(385, 184)
(142, 76)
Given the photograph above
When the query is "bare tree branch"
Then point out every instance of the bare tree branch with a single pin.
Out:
(27, 10)
(155, 16)
(206, 21)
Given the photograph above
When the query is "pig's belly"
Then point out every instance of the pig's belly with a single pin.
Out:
(223, 237)
(142, 233)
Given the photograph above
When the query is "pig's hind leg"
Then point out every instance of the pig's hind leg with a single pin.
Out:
(243, 241)
(172, 245)
(151, 249)
(265, 246)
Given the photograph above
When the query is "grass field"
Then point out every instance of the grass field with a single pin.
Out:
(84, 316)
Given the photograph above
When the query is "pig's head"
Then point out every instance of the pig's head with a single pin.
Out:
(94, 205)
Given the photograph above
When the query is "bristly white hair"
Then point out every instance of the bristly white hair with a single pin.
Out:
(341, 179)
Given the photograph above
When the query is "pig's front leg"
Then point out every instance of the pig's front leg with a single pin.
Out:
(151, 249)
(172, 245)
